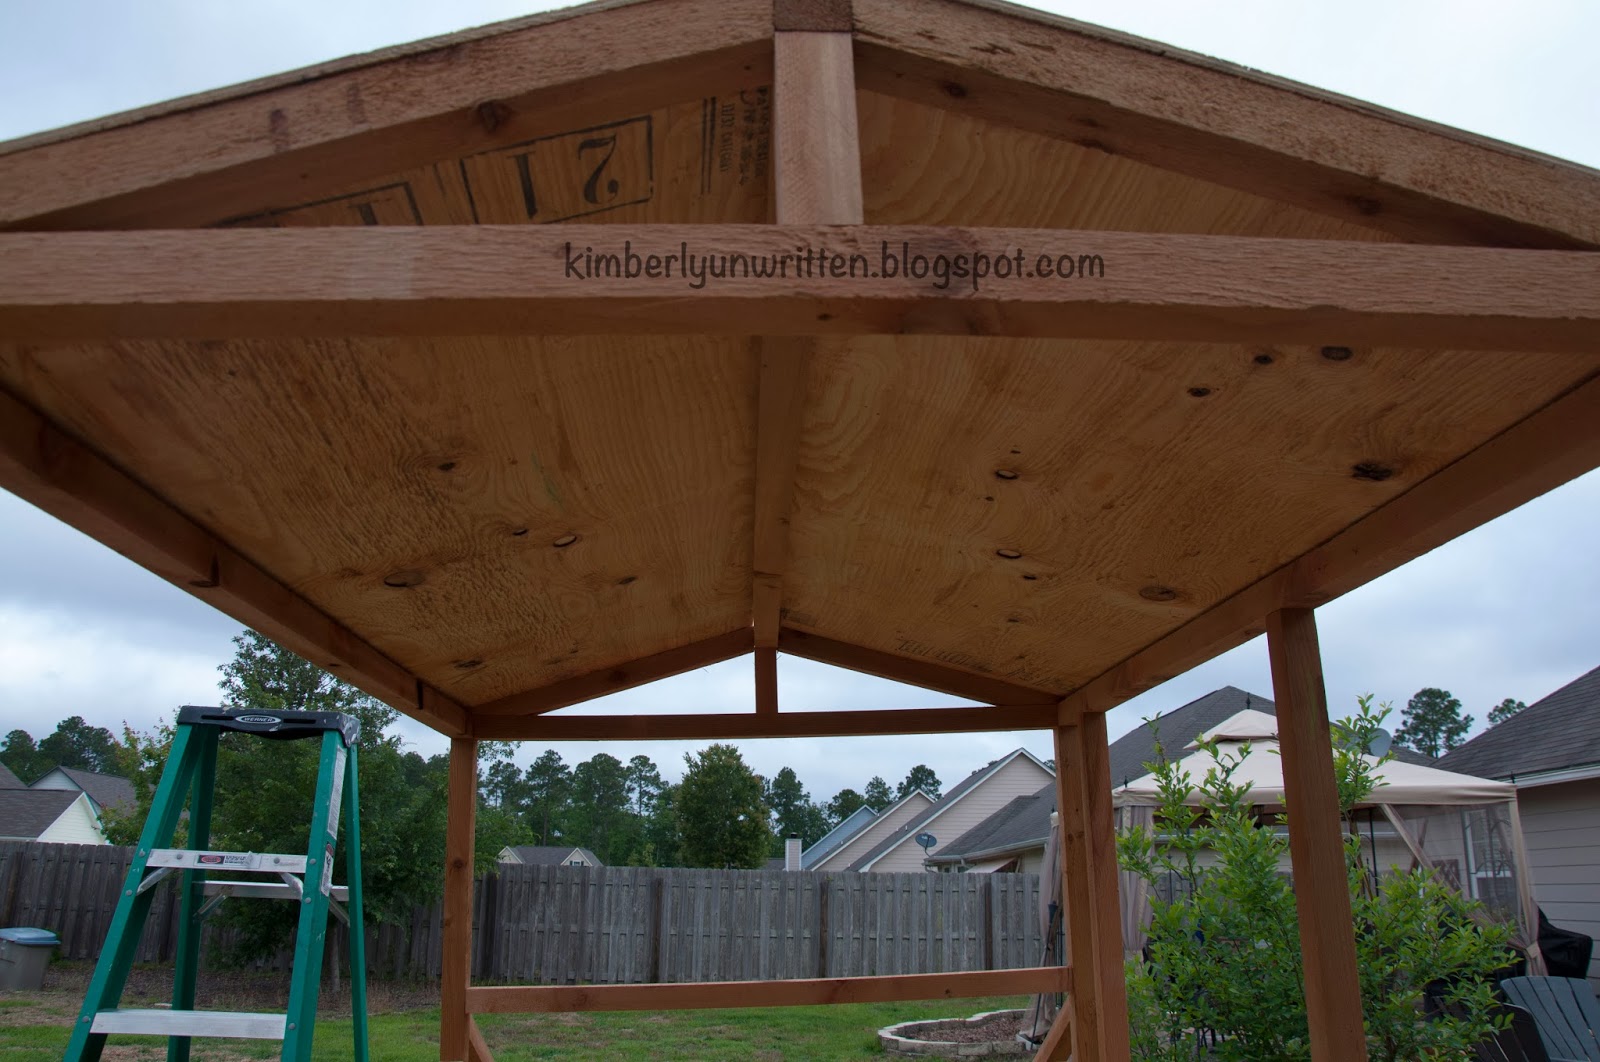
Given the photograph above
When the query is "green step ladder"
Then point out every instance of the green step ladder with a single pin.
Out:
(306, 879)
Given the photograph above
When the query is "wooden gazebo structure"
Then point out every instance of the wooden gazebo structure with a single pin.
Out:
(944, 341)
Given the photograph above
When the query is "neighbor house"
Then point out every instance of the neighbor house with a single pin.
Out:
(104, 790)
(971, 801)
(9, 780)
(548, 855)
(1013, 838)
(1551, 752)
(847, 828)
(878, 830)
(60, 815)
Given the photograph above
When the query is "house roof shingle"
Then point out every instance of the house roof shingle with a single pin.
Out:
(106, 790)
(26, 813)
(1023, 823)
(1555, 733)
(550, 854)
(8, 780)
(847, 828)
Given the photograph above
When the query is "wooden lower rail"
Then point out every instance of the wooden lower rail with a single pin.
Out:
(527, 999)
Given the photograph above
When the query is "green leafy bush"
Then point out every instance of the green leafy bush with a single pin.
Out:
(1223, 980)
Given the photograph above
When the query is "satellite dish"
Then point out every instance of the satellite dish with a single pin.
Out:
(927, 841)
(1381, 740)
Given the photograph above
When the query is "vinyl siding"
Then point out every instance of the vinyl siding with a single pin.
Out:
(866, 838)
(1561, 826)
(55, 780)
(1021, 777)
(77, 825)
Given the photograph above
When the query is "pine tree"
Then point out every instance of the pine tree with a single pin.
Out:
(919, 777)
(548, 784)
(877, 795)
(1505, 710)
(1432, 723)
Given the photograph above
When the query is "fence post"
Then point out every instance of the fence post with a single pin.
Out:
(19, 862)
(988, 921)
(658, 888)
(824, 935)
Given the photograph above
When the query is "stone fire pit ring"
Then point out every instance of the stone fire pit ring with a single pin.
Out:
(903, 1039)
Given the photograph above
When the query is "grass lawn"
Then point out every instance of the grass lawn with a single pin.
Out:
(34, 1025)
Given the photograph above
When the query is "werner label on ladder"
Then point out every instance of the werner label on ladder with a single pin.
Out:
(190, 774)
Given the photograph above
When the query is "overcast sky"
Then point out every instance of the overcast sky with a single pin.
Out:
(1511, 609)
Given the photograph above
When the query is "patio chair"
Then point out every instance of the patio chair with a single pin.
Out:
(1566, 1012)
(1517, 1042)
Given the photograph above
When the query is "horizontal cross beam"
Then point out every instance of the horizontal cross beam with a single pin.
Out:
(859, 723)
(527, 999)
(853, 279)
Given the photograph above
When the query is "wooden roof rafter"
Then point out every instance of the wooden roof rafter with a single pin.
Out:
(1114, 93)
(315, 133)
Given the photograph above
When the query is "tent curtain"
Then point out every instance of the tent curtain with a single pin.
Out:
(1132, 889)
(1053, 929)
(1478, 851)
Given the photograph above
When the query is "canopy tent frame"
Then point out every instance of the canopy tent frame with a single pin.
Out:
(1503, 258)
(1249, 741)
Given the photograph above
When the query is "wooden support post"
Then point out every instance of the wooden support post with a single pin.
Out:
(1322, 897)
(456, 945)
(1082, 1010)
(1108, 971)
(1099, 1006)
(766, 681)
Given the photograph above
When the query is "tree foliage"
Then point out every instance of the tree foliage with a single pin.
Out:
(548, 784)
(1432, 723)
(1225, 951)
(20, 753)
(73, 743)
(877, 795)
(919, 777)
(599, 814)
(1505, 710)
(843, 805)
(793, 813)
(722, 815)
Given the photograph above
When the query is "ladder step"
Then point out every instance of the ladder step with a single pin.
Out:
(266, 890)
(161, 1022)
(259, 862)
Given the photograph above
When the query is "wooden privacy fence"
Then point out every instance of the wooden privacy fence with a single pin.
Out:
(608, 925)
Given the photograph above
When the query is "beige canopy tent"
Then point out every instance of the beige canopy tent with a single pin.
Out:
(1464, 829)
(948, 341)
(1397, 781)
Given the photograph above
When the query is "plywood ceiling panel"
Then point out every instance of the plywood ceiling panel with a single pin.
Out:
(1136, 484)
(922, 165)
(419, 492)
